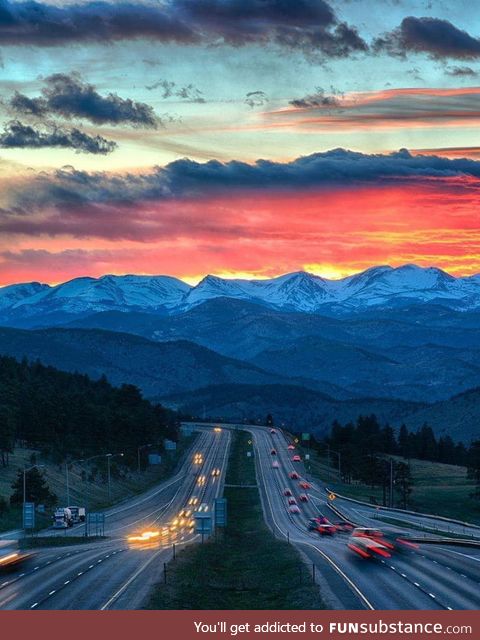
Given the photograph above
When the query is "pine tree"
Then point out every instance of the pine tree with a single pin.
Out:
(37, 489)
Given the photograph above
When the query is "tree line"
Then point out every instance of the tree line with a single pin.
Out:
(66, 416)
(362, 452)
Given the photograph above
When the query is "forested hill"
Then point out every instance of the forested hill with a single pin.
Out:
(70, 414)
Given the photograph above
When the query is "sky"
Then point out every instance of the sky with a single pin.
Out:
(241, 138)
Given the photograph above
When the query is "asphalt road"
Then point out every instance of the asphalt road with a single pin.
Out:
(430, 577)
(114, 573)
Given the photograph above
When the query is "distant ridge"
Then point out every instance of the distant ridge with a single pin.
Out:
(382, 287)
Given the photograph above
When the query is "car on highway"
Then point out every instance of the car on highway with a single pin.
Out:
(294, 509)
(304, 485)
(373, 534)
(201, 480)
(193, 501)
(275, 465)
(203, 507)
(273, 452)
(11, 558)
(324, 529)
(303, 497)
(296, 458)
(293, 475)
(272, 431)
(215, 472)
(292, 500)
(367, 547)
(291, 447)
(287, 492)
(343, 527)
(217, 429)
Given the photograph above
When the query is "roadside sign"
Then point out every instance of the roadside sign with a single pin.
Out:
(305, 436)
(249, 442)
(95, 524)
(296, 440)
(203, 523)
(220, 511)
(331, 496)
(28, 515)
(249, 454)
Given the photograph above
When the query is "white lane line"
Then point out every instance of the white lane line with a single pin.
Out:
(52, 592)
(463, 575)
(91, 566)
(4, 584)
(35, 604)
(80, 573)
(416, 584)
(403, 575)
(464, 555)
(324, 555)
(67, 582)
(36, 568)
(431, 595)
(21, 575)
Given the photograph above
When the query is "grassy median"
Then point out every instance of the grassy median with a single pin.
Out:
(246, 567)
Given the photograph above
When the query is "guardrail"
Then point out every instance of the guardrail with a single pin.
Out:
(431, 516)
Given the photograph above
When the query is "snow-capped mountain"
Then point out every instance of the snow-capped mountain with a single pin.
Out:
(380, 287)
(15, 293)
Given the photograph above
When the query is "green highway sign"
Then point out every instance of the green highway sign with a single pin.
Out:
(305, 436)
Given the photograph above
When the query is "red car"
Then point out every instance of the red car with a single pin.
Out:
(296, 458)
(303, 497)
(304, 485)
(294, 509)
(344, 527)
(293, 475)
(324, 529)
(287, 493)
(292, 501)
(291, 447)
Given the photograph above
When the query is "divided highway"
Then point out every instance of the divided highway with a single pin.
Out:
(116, 573)
(443, 577)
(430, 577)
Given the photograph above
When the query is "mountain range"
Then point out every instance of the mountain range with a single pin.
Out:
(382, 287)
(403, 343)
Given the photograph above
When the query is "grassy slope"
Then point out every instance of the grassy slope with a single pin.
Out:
(441, 489)
(247, 568)
(97, 491)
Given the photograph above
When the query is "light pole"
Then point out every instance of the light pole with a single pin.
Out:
(143, 446)
(109, 456)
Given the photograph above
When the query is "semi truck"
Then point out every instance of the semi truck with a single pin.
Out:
(78, 514)
(62, 518)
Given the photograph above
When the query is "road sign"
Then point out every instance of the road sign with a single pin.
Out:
(203, 523)
(307, 456)
(95, 525)
(296, 440)
(305, 436)
(220, 511)
(28, 515)
(249, 442)
(249, 454)
(331, 496)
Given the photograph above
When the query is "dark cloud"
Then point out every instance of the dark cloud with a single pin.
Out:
(170, 89)
(460, 71)
(307, 25)
(158, 203)
(20, 136)
(256, 99)
(437, 38)
(319, 99)
(69, 97)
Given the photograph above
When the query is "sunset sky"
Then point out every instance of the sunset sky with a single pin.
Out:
(238, 137)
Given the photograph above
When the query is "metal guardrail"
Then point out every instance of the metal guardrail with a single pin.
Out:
(431, 516)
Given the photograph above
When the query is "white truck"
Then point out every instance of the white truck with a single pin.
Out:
(78, 514)
(62, 518)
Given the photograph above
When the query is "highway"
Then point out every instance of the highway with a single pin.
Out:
(432, 577)
(117, 574)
